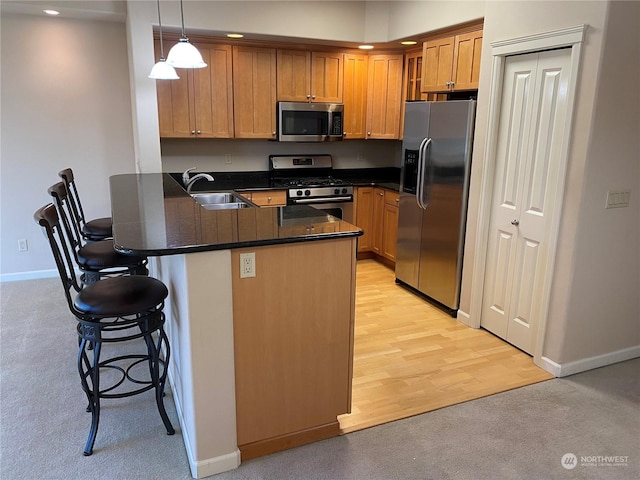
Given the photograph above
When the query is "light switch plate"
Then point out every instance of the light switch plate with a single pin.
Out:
(618, 198)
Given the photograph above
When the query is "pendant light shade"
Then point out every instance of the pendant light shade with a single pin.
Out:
(183, 54)
(162, 70)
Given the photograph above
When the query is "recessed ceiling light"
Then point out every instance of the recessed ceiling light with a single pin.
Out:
(235, 35)
(408, 42)
(365, 47)
(51, 12)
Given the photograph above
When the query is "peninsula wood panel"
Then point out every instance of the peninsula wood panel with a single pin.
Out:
(293, 348)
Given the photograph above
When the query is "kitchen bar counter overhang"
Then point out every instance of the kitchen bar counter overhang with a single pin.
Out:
(196, 253)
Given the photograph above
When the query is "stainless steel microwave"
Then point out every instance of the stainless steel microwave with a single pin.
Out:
(309, 122)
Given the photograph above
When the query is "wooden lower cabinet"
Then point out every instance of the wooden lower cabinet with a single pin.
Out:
(377, 215)
(293, 348)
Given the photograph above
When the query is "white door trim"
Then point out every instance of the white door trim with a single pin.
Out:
(567, 37)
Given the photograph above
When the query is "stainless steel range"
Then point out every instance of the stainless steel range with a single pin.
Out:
(310, 180)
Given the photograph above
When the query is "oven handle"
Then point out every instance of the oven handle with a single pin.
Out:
(323, 200)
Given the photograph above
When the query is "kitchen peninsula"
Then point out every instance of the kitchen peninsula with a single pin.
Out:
(262, 355)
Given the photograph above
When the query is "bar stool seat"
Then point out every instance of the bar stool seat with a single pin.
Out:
(109, 311)
(98, 229)
(120, 296)
(91, 230)
(101, 255)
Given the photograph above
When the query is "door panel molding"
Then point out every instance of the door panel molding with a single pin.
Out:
(569, 37)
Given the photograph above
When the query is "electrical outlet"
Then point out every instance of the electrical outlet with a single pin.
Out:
(228, 159)
(247, 265)
(23, 246)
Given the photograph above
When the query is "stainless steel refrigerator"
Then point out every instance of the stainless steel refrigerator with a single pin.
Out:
(434, 185)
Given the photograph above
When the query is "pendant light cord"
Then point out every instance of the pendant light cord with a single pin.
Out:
(160, 27)
(182, 17)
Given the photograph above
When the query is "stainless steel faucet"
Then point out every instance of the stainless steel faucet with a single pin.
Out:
(188, 181)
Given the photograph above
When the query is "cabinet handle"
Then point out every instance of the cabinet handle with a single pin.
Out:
(198, 132)
(268, 199)
(273, 133)
(308, 97)
(313, 97)
(381, 194)
(397, 200)
(344, 134)
(369, 134)
(193, 132)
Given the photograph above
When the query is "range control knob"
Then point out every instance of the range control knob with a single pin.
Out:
(299, 193)
(344, 191)
(337, 191)
(307, 192)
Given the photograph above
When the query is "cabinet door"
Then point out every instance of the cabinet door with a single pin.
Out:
(293, 70)
(212, 93)
(354, 95)
(254, 92)
(326, 77)
(390, 225)
(466, 63)
(378, 220)
(364, 217)
(175, 111)
(384, 96)
(437, 64)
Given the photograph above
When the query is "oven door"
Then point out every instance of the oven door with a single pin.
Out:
(339, 209)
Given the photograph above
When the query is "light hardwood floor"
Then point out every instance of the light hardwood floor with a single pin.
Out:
(410, 357)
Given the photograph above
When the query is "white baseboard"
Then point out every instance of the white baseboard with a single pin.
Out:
(210, 466)
(577, 366)
(464, 317)
(16, 277)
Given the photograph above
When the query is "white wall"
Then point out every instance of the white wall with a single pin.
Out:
(594, 304)
(598, 310)
(68, 105)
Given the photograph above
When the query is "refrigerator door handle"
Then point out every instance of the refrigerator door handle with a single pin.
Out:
(423, 165)
(420, 179)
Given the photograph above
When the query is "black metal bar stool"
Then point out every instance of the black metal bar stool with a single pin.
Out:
(96, 229)
(96, 259)
(112, 310)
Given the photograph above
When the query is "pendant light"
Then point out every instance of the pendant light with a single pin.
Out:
(162, 70)
(183, 54)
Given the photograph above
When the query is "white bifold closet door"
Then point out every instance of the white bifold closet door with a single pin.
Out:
(525, 190)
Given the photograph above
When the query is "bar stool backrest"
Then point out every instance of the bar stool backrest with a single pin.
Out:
(65, 212)
(74, 198)
(47, 217)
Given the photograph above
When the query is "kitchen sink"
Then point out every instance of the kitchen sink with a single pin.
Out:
(220, 200)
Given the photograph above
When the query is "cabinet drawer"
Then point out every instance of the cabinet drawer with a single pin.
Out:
(270, 198)
(391, 197)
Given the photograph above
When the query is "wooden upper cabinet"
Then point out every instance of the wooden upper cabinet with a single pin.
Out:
(413, 77)
(254, 92)
(354, 96)
(309, 76)
(384, 96)
(466, 64)
(452, 63)
(200, 103)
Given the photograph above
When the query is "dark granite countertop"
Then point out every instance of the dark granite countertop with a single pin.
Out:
(153, 215)
(388, 177)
